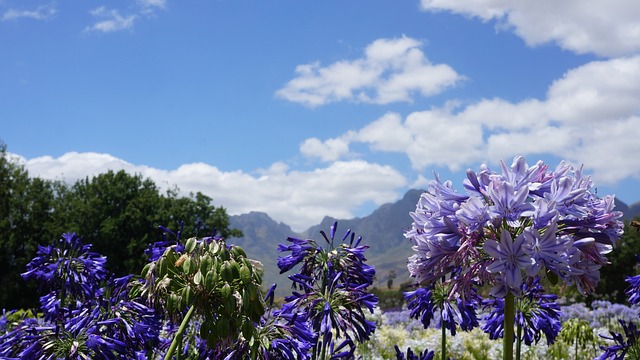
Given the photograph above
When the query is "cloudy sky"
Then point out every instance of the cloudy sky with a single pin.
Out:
(304, 109)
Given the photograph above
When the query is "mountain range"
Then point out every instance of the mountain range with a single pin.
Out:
(382, 230)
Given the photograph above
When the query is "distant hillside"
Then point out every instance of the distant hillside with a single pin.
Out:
(261, 238)
(630, 212)
(383, 230)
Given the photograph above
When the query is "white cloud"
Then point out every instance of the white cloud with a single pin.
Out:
(386, 134)
(591, 116)
(298, 198)
(42, 12)
(148, 7)
(153, 3)
(392, 70)
(113, 20)
(328, 150)
(602, 27)
(595, 91)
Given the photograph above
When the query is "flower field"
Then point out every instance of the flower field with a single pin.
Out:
(483, 271)
(398, 328)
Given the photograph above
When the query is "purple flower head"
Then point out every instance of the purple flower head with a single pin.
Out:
(299, 249)
(423, 303)
(410, 355)
(623, 344)
(473, 214)
(69, 267)
(420, 303)
(333, 282)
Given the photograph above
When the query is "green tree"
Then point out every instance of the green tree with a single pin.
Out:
(623, 263)
(197, 212)
(25, 221)
(114, 211)
(120, 213)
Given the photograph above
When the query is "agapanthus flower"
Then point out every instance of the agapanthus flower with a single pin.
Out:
(424, 303)
(537, 313)
(511, 226)
(633, 291)
(333, 295)
(410, 355)
(299, 249)
(85, 315)
(283, 334)
(510, 259)
(69, 267)
(624, 345)
(509, 204)
(546, 249)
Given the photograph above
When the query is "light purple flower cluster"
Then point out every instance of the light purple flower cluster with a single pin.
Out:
(523, 222)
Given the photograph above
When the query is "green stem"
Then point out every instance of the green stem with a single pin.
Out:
(509, 315)
(444, 341)
(178, 337)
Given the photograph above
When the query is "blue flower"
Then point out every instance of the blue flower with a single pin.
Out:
(536, 312)
(510, 258)
(622, 344)
(410, 355)
(509, 204)
(69, 267)
(333, 293)
(300, 249)
(420, 303)
(633, 291)
(547, 250)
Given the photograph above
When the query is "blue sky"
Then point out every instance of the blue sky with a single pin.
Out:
(304, 109)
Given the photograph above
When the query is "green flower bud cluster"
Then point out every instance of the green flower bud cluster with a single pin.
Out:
(218, 281)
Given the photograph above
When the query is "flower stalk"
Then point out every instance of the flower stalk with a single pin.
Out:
(178, 337)
(509, 316)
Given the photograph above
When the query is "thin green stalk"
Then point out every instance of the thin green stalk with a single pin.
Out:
(444, 341)
(509, 315)
(178, 337)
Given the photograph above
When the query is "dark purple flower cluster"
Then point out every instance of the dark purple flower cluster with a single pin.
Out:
(633, 291)
(68, 268)
(424, 304)
(283, 334)
(537, 313)
(623, 345)
(332, 284)
(83, 318)
(626, 344)
(410, 355)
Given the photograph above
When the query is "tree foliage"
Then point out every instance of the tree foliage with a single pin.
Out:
(25, 220)
(117, 212)
(623, 263)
